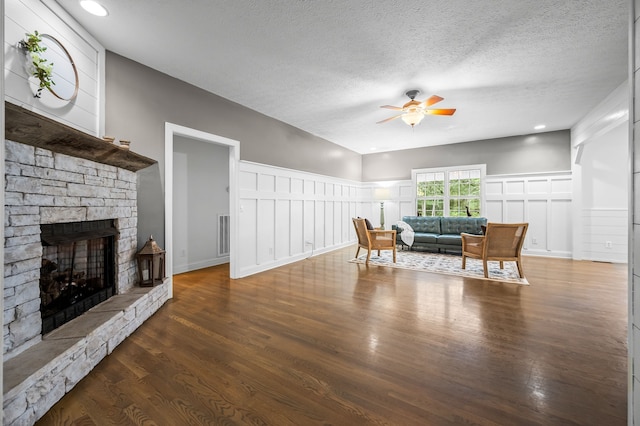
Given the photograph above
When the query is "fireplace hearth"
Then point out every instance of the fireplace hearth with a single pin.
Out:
(78, 269)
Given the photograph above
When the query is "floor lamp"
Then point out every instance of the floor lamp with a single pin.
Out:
(381, 195)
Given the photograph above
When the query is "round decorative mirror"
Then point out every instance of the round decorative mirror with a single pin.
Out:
(65, 74)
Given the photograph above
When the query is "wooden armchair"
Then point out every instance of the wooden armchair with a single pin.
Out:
(374, 239)
(501, 242)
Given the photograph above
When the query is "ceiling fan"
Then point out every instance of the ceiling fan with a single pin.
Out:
(414, 111)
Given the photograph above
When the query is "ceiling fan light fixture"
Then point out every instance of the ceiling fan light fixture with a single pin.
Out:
(414, 111)
(413, 118)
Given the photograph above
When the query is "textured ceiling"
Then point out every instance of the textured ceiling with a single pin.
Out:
(325, 66)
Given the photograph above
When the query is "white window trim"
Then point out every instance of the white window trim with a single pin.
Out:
(446, 170)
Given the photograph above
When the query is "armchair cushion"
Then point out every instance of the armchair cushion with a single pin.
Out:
(382, 238)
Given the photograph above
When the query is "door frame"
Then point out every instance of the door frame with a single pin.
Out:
(170, 131)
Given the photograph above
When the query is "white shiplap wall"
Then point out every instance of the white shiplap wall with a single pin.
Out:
(605, 235)
(86, 112)
(543, 200)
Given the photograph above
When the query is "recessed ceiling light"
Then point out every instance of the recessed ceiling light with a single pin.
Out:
(540, 127)
(93, 7)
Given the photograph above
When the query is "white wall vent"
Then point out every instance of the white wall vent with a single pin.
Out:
(223, 235)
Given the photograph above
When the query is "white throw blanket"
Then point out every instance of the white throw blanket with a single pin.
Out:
(407, 233)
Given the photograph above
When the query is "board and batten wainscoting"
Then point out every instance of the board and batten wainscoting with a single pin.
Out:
(401, 202)
(288, 215)
(544, 200)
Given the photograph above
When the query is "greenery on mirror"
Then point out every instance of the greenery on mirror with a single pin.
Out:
(40, 67)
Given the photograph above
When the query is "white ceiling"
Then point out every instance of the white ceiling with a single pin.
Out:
(325, 66)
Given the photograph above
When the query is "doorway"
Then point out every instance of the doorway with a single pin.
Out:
(172, 133)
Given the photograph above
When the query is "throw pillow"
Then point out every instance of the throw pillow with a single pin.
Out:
(368, 223)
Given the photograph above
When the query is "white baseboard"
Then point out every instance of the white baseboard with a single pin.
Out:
(187, 267)
(254, 269)
(547, 253)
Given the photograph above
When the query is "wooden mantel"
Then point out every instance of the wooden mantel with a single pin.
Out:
(30, 128)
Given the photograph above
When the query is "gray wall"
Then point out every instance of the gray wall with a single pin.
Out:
(201, 182)
(139, 100)
(540, 152)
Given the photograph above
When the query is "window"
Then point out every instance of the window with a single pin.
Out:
(449, 191)
(430, 193)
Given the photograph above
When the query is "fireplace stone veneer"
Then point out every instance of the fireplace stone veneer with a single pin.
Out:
(43, 187)
(46, 187)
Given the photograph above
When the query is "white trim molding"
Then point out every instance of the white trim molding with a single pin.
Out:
(607, 115)
(172, 130)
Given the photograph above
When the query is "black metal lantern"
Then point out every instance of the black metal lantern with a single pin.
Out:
(151, 264)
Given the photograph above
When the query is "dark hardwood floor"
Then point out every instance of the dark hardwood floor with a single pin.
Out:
(324, 341)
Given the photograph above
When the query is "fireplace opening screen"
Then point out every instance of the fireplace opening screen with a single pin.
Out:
(77, 270)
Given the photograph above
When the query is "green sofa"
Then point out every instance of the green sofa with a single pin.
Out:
(441, 233)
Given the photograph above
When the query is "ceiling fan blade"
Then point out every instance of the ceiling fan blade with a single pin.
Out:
(390, 118)
(395, 108)
(432, 100)
(443, 111)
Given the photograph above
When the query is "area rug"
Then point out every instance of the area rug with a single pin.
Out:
(444, 264)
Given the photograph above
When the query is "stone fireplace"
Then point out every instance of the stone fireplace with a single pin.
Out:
(45, 188)
(70, 293)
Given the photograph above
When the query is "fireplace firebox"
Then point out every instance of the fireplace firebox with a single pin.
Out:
(77, 271)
